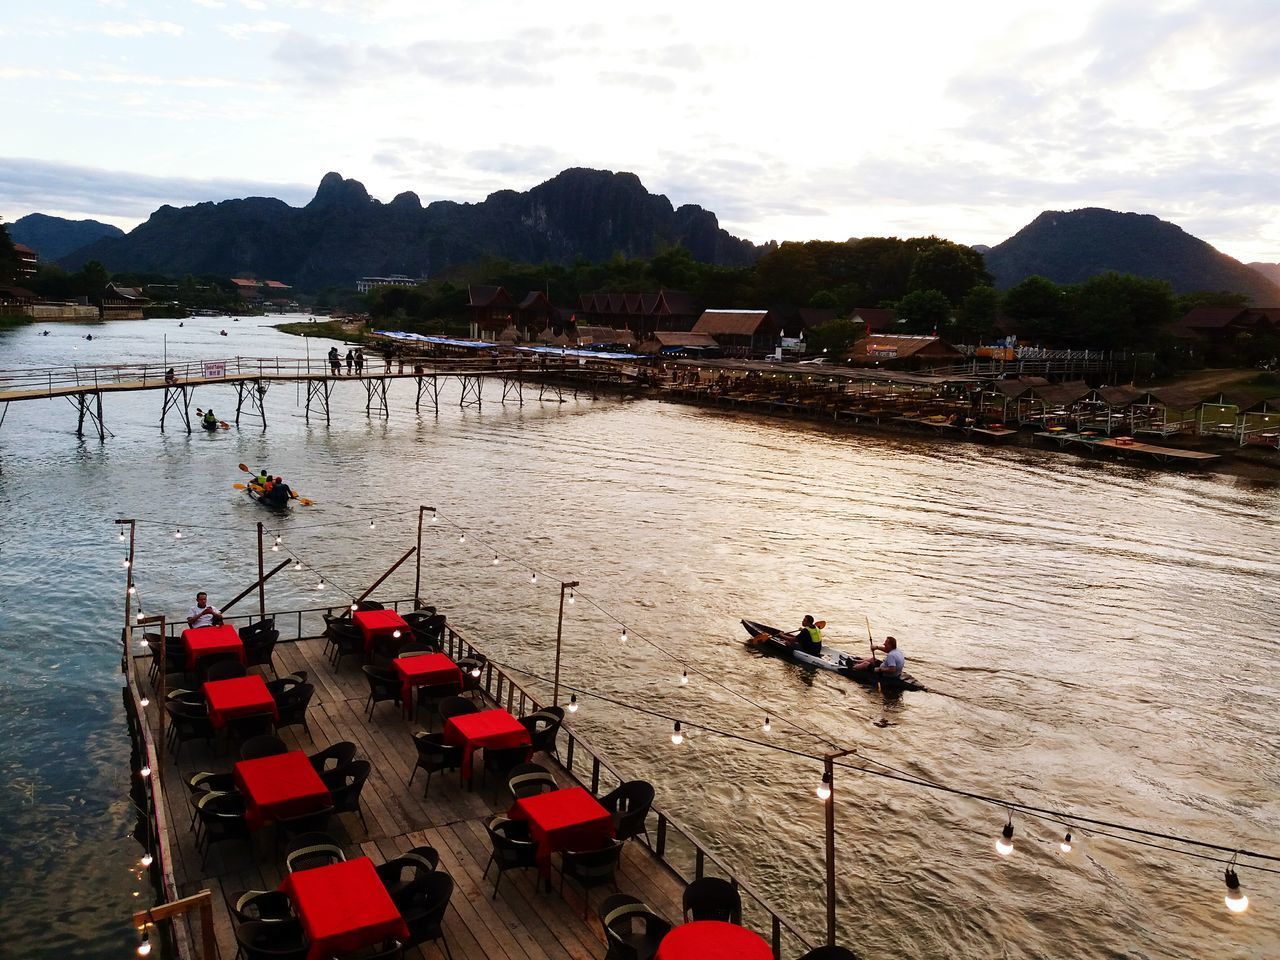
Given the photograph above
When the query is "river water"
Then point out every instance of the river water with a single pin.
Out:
(1095, 637)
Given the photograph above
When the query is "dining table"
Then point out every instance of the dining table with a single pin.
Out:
(379, 623)
(202, 641)
(239, 697)
(280, 786)
(343, 907)
(713, 940)
(568, 819)
(425, 670)
(492, 729)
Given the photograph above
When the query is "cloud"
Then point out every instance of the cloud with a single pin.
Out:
(239, 31)
(119, 196)
(136, 28)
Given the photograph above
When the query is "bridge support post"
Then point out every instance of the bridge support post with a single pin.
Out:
(376, 394)
(471, 388)
(82, 403)
(318, 390)
(178, 398)
(255, 391)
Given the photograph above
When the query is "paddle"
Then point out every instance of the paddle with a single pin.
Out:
(239, 486)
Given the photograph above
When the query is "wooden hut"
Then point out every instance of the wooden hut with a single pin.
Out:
(741, 333)
(1259, 424)
(492, 310)
(901, 352)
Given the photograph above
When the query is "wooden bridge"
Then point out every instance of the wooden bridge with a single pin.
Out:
(85, 386)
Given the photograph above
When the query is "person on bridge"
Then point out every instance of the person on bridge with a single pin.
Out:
(335, 362)
(351, 361)
(359, 362)
(170, 376)
(890, 666)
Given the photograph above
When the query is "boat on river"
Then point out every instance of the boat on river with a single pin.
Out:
(769, 640)
(265, 500)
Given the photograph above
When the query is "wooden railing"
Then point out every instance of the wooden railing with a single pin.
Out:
(673, 844)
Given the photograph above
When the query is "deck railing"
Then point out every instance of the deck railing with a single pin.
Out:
(672, 843)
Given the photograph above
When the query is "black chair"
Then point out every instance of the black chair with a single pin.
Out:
(221, 817)
(384, 686)
(175, 660)
(281, 685)
(313, 822)
(501, 762)
(472, 668)
(347, 641)
(292, 705)
(426, 629)
(590, 869)
(367, 605)
(632, 930)
(529, 780)
(245, 728)
(261, 649)
(331, 625)
(413, 652)
(219, 666)
(424, 910)
(311, 850)
(390, 949)
(456, 706)
(341, 753)
(385, 649)
(401, 874)
(187, 722)
(434, 755)
(206, 782)
(267, 940)
(512, 848)
(543, 727)
(830, 952)
(630, 805)
(269, 906)
(252, 631)
(264, 746)
(710, 898)
(346, 784)
(433, 694)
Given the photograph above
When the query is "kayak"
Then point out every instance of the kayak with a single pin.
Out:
(263, 499)
(831, 659)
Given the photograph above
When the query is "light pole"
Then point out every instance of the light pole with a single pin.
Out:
(827, 794)
(555, 688)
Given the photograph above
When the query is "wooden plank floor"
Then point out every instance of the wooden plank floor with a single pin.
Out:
(522, 923)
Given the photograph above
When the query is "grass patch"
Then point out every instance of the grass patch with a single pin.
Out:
(330, 329)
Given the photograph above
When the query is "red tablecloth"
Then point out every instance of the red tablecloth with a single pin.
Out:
(713, 940)
(206, 640)
(488, 728)
(379, 623)
(238, 697)
(425, 670)
(569, 819)
(285, 785)
(343, 907)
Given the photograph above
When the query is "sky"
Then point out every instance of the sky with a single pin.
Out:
(792, 121)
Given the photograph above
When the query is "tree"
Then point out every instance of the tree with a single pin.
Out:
(833, 338)
(787, 275)
(94, 279)
(1041, 307)
(8, 256)
(1119, 310)
(949, 268)
(924, 311)
(976, 318)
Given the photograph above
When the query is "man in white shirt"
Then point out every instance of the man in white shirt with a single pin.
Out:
(890, 666)
(202, 614)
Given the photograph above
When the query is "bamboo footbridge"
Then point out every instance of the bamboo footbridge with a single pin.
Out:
(85, 386)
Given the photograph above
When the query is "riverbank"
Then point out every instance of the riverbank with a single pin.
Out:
(347, 332)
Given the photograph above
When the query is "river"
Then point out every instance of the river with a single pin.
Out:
(1095, 637)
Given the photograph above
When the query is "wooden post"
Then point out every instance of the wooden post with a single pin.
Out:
(417, 577)
(828, 778)
(394, 567)
(555, 688)
(262, 580)
(253, 586)
(202, 902)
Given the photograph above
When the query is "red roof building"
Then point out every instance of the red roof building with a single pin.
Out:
(903, 352)
(492, 311)
(641, 313)
(28, 262)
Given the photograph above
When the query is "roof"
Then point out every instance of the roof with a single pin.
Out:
(898, 346)
(1266, 405)
(1062, 393)
(534, 298)
(1120, 396)
(677, 338)
(590, 334)
(277, 285)
(741, 323)
(23, 248)
(1179, 398)
(877, 319)
(1018, 386)
(483, 296)
(509, 334)
(128, 293)
(815, 316)
(241, 282)
(16, 293)
(1210, 318)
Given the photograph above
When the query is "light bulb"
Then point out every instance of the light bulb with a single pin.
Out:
(395, 634)
(623, 636)
(132, 589)
(145, 702)
(434, 516)
(533, 578)
(823, 789)
(355, 607)
(573, 703)
(1065, 845)
(495, 559)
(297, 564)
(320, 585)
(462, 538)
(144, 948)
(676, 736)
(144, 772)
(1004, 846)
(122, 536)
(371, 524)
(146, 860)
(571, 596)
(140, 616)
(126, 563)
(177, 534)
(275, 547)
(475, 671)
(1236, 901)
(684, 678)
(767, 725)
(278, 538)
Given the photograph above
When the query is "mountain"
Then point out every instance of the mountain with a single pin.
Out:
(55, 237)
(1071, 246)
(1269, 270)
(344, 234)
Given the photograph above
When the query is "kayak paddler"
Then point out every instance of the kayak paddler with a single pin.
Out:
(890, 666)
(808, 638)
(210, 421)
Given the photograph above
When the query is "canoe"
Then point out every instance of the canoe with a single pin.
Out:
(258, 497)
(831, 659)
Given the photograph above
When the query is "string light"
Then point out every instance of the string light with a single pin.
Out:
(1065, 845)
(122, 534)
(355, 607)
(676, 736)
(533, 577)
(371, 523)
(126, 563)
(767, 725)
(145, 771)
(275, 547)
(475, 671)
(571, 596)
(1004, 846)
(177, 534)
(1235, 899)
(145, 702)
(132, 589)
(573, 703)
(495, 559)
(147, 860)
(320, 585)
(684, 678)
(823, 789)
(395, 634)
(140, 616)
(434, 515)
(623, 636)
(144, 948)
(462, 538)
(297, 564)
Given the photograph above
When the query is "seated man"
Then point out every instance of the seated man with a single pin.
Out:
(809, 638)
(892, 664)
(202, 614)
(278, 493)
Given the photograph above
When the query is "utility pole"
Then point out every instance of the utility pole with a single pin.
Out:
(827, 793)
(555, 689)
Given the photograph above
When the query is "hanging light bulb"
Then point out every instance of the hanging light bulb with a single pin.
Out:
(122, 534)
(1004, 846)
(275, 547)
(1236, 901)
(144, 772)
(823, 789)
(144, 948)
(147, 860)
(177, 534)
(462, 538)
(297, 564)
(623, 636)
(573, 703)
(371, 523)
(145, 702)
(320, 585)
(533, 578)
(767, 725)
(395, 634)
(1065, 845)
(126, 563)
(355, 607)
(684, 678)
(132, 589)
(676, 736)
(495, 559)
(475, 671)
(434, 516)
(571, 596)
(140, 616)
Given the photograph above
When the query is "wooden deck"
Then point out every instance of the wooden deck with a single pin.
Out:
(523, 923)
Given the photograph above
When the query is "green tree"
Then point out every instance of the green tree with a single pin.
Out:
(8, 256)
(976, 318)
(833, 338)
(1041, 307)
(924, 311)
(1119, 310)
(787, 275)
(1185, 302)
(950, 268)
(93, 279)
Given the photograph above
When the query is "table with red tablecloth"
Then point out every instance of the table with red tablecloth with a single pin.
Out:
(713, 940)
(239, 697)
(284, 785)
(569, 819)
(203, 641)
(425, 670)
(495, 729)
(379, 623)
(343, 907)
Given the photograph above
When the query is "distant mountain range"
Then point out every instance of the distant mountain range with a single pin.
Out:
(344, 234)
(1068, 247)
(54, 237)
